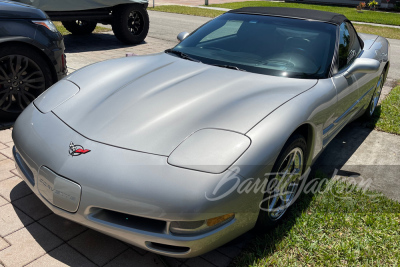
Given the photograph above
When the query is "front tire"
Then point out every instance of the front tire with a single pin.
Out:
(130, 23)
(80, 27)
(24, 75)
(375, 97)
(287, 170)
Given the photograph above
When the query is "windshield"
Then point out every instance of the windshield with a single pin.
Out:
(264, 44)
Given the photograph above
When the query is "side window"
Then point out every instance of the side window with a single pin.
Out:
(349, 45)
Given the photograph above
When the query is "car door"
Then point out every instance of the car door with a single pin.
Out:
(366, 84)
(347, 88)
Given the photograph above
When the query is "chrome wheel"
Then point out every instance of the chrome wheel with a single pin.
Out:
(287, 180)
(21, 81)
(376, 96)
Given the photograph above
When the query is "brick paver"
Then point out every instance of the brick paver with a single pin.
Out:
(62, 256)
(6, 165)
(217, 258)
(28, 244)
(14, 188)
(64, 229)
(150, 259)
(97, 247)
(3, 243)
(31, 235)
(85, 50)
(198, 262)
(5, 136)
(12, 219)
(3, 201)
(32, 206)
(7, 150)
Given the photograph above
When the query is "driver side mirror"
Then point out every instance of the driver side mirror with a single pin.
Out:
(182, 36)
(362, 65)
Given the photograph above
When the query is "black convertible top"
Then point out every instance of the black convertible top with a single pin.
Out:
(299, 13)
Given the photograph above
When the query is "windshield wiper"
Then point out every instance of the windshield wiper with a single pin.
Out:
(181, 55)
(185, 56)
(228, 67)
(306, 75)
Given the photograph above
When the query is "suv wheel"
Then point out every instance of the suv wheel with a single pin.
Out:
(24, 75)
(130, 23)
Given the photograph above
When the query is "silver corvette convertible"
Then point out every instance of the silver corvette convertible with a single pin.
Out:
(182, 151)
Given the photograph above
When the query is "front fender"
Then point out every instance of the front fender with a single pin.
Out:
(21, 39)
(314, 108)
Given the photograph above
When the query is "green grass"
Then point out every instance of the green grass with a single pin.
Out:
(327, 229)
(64, 31)
(387, 116)
(387, 32)
(349, 12)
(195, 11)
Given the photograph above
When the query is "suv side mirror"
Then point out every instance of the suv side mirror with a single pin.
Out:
(182, 36)
(362, 65)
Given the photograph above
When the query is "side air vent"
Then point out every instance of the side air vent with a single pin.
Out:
(22, 167)
(129, 221)
(167, 248)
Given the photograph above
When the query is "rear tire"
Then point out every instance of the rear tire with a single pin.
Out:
(24, 75)
(291, 159)
(130, 23)
(80, 27)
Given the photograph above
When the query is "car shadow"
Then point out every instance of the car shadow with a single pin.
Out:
(374, 120)
(93, 42)
(343, 146)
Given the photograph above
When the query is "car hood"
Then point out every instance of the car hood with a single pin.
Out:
(13, 10)
(152, 103)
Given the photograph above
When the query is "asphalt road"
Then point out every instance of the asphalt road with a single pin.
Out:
(166, 26)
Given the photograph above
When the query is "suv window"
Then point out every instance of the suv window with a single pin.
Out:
(349, 45)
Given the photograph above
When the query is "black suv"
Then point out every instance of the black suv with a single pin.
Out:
(31, 56)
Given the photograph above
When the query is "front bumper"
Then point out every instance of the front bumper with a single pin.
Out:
(130, 195)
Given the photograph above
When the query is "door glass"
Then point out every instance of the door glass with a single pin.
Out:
(349, 45)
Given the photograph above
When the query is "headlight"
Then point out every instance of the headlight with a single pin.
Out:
(56, 95)
(199, 227)
(46, 23)
(209, 150)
